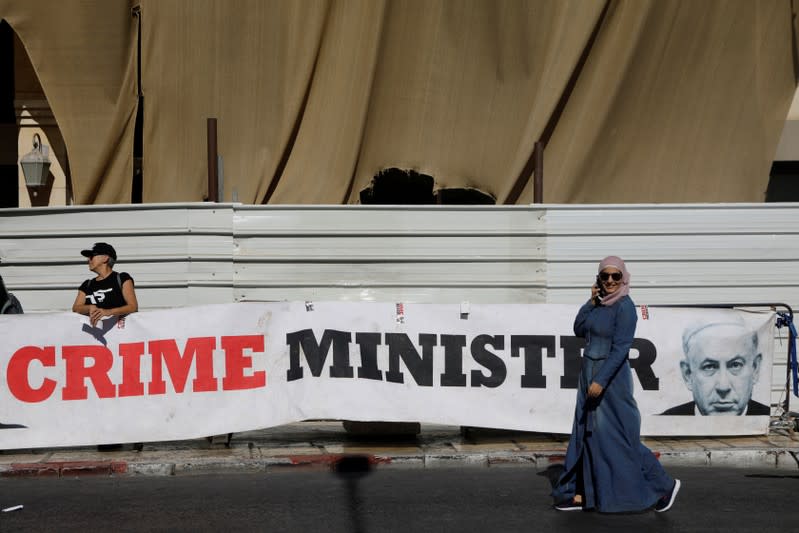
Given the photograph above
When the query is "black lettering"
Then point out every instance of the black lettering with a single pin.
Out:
(489, 360)
(420, 367)
(368, 343)
(572, 359)
(533, 347)
(453, 375)
(316, 353)
(647, 353)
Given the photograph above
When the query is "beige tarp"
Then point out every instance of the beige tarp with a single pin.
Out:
(84, 55)
(637, 101)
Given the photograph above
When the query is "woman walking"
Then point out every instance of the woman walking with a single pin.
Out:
(607, 467)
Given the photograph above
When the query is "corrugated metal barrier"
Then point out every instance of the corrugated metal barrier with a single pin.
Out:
(188, 254)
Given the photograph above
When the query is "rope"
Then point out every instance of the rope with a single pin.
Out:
(785, 319)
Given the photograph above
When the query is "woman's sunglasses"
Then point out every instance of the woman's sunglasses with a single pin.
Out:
(605, 275)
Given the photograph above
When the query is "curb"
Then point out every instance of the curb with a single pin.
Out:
(782, 459)
(64, 468)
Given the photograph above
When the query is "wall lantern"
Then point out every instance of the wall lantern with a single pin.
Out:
(36, 164)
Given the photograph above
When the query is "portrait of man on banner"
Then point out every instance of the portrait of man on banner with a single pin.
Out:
(721, 365)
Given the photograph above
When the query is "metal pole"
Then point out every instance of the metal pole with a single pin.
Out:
(538, 173)
(213, 180)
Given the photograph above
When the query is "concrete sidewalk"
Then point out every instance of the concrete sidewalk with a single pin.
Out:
(319, 444)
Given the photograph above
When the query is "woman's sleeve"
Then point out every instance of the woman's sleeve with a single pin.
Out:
(580, 328)
(623, 334)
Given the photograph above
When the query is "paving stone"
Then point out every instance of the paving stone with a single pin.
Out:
(712, 444)
(744, 442)
(455, 460)
(499, 446)
(659, 444)
(776, 440)
(25, 458)
(151, 469)
(101, 468)
(401, 462)
(64, 456)
(204, 467)
(514, 459)
(277, 451)
(31, 470)
(685, 458)
(382, 449)
(542, 446)
(270, 462)
(438, 448)
(743, 458)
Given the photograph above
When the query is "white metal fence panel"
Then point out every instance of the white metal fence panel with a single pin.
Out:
(684, 254)
(177, 254)
(428, 254)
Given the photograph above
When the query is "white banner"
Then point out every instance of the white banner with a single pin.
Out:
(199, 371)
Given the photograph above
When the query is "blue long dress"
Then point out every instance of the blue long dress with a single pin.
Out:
(619, 473)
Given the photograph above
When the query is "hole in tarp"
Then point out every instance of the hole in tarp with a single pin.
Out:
(396, 186)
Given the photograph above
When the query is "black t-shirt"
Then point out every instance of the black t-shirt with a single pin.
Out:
(106, 293)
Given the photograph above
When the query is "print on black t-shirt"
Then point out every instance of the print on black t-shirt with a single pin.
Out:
(106, 293)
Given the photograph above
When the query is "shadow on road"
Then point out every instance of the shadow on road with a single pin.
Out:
(552, 473)
(351, 469)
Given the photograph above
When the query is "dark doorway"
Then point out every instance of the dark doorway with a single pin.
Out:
(9, 132)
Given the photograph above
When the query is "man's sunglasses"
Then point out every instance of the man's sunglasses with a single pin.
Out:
(605, 275)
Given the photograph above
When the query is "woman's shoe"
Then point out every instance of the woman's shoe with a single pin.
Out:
(569, 505)
(665, 503)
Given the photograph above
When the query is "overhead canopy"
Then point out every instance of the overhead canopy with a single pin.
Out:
(636, 101)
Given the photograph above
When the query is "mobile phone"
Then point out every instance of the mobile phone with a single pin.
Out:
(601, 293)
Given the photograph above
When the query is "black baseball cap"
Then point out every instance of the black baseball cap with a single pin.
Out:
(100, 248)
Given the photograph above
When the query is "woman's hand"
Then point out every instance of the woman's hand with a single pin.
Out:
(96, 314)
(594, 390)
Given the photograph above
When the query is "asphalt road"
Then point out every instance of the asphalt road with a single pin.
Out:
(464, 500)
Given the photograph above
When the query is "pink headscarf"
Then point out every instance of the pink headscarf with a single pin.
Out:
(624, 288)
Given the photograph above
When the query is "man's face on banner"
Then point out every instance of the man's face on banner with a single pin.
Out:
(721, 367)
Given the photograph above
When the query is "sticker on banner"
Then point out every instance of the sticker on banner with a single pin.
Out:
(400, 313)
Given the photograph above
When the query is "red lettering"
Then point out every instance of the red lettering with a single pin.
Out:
(200, 349)
(236, 362)
(90, 366)
(17, 373)
(77, 372)
(131, 355)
